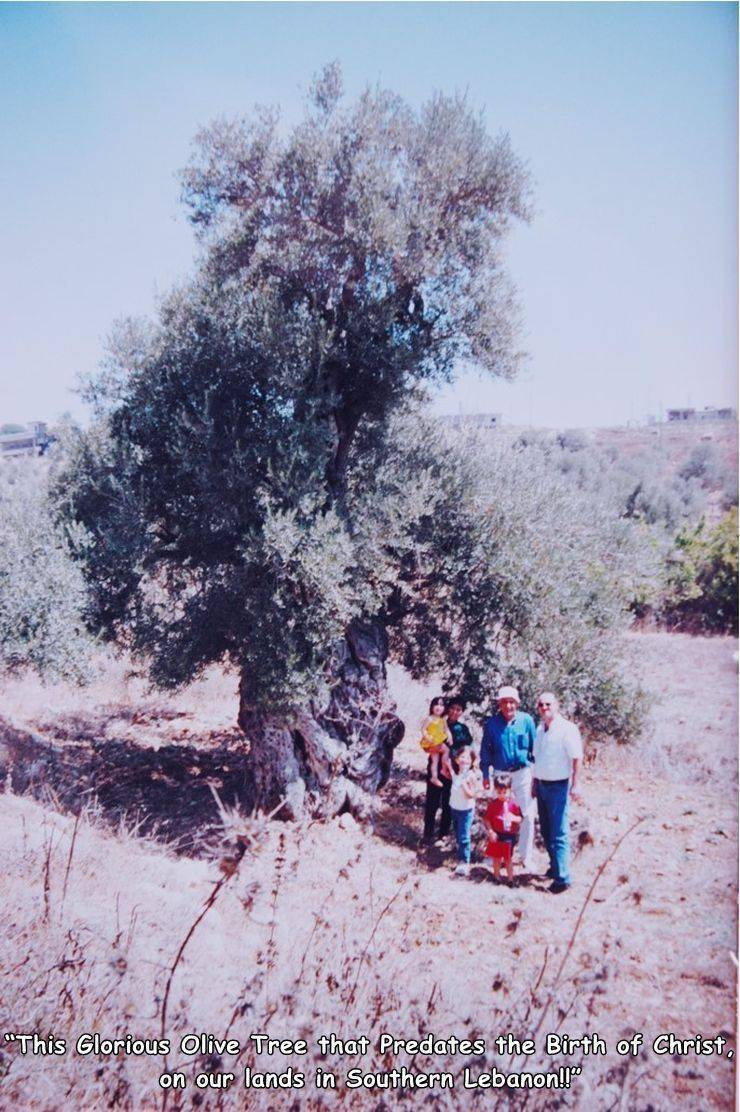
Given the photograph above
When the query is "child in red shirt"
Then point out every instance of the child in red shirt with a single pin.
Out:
(502, 821)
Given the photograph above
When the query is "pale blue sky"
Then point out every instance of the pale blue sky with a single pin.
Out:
(625, 112)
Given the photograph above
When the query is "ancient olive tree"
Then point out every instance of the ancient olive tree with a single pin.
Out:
(346, 265)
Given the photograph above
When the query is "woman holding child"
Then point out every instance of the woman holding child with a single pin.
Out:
(439, 773)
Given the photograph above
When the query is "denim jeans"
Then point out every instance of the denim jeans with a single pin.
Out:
(552, 807)
(462, 821)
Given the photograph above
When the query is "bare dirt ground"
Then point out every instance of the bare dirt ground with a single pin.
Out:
(331, 928)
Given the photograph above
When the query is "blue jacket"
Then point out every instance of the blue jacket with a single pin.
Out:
(507, 746)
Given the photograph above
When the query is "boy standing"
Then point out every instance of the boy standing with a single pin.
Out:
(502, 821)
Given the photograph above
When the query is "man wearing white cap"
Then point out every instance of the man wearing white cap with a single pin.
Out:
(507, 746)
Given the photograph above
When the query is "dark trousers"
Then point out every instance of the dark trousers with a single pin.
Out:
(435, 798)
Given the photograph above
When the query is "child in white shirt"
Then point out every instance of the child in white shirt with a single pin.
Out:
(466, 787)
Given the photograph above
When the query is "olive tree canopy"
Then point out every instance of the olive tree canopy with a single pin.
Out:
(235, 491)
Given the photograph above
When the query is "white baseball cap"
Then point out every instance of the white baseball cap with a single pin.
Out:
(508, 693)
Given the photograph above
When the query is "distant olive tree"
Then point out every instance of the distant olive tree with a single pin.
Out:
(42, 591)
(702, 589)
(703, 462)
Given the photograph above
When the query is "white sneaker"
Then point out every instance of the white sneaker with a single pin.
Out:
(462, 869)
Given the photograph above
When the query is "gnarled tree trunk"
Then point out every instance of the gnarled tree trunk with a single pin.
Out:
(330, 758)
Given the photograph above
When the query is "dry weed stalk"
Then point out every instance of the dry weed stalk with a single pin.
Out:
(242, 833)
(385, 909)
(69, 862)
(46, 874)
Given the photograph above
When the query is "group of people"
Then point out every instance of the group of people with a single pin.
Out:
(520, 766)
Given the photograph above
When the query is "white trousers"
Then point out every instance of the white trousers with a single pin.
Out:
(521, 790)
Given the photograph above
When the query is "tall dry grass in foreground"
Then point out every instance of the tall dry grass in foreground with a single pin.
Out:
(106, 933)
(306, 930)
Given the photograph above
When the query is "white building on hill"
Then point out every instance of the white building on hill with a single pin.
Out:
(33, 440)
(708, 413)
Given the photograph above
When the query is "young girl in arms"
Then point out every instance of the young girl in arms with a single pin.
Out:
(435, 740)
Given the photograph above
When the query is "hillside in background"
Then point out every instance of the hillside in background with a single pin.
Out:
(683, 471)
(674, 440)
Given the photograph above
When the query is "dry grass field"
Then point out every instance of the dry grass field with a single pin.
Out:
(330, 927)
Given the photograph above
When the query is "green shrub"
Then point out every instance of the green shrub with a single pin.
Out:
(42, 592)
(702, 590)
(509, 574)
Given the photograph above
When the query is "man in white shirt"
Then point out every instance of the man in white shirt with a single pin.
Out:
(558, 752)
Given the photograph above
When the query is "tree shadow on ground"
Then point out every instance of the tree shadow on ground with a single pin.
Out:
(399, 821)
(165, 792)
(399, 816)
